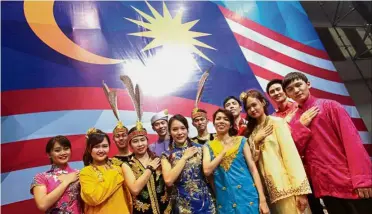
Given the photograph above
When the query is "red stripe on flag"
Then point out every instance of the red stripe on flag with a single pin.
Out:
(286, 60)
(368, 148)
(88, 98)
(359, 124)
(269, 75)
(272, 34)
(22, 158)
(21, 207)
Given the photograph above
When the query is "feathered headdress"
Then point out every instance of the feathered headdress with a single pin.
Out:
(136, 97)
(203, 79)
(113, 101)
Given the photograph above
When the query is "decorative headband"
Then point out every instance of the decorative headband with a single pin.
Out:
(120, 128)
(137, 133)
(195, 113)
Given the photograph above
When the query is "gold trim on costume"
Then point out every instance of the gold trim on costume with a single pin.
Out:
(276, 194)
(116, 161)
(140, 206)
(184, 206)
(153, 198)
(230, 155)
(168, 210)
(150, 188)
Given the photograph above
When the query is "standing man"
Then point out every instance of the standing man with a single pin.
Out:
(120, 132)
(234, 105)
(159, 124)
(200, 122)
(120, 137)
(286, 108)
(337, 163)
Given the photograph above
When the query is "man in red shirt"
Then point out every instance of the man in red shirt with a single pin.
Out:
(339, 167)
(286, 108)
(234, 105)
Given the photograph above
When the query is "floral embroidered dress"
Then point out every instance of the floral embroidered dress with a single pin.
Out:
(153, 199)
(190, 194)
(235, 190)
(70, 202)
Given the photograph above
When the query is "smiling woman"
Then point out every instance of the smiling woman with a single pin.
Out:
(228, 158)
(182, 170)
(58, 186)
(102, 187)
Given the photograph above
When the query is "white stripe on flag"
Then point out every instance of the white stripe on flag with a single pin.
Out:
(282, 70)
(72, 122)
(279, 47)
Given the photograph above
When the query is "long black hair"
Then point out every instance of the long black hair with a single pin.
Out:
(183, 120)
(252, 122)
(230, 116)
(93, 139)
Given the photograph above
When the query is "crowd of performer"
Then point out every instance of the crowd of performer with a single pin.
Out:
(306, 157)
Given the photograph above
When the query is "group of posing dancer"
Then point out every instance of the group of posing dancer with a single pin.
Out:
(281, 163)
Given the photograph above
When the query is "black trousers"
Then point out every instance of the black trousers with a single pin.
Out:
(347, 206)
(314, 204)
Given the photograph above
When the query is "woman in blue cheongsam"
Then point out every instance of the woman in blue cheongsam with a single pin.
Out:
(182, 169)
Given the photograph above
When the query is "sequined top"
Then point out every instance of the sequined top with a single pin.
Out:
(279, 162)
(235, 190)
(153, 198)
(70, 202)
(190, 194)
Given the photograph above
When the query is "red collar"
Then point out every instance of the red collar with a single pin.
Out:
(308, 103)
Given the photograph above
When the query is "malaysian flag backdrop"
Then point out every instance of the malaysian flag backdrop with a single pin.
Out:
(55, 56)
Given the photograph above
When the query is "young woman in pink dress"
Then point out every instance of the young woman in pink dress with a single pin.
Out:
(58, 190)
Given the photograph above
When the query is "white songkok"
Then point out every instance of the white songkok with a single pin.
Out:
(163, 115)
